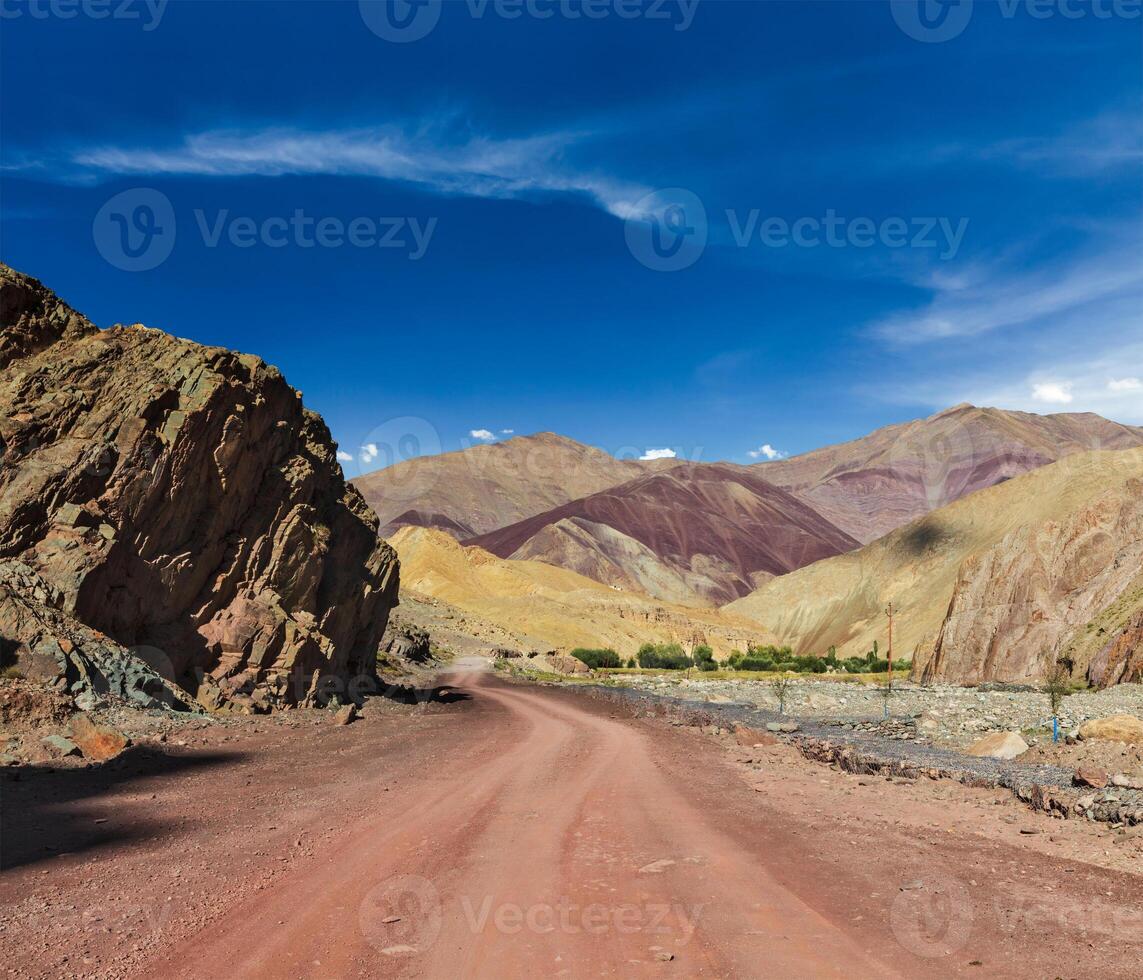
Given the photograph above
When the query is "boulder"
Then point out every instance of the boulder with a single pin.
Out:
(999, 745)
(1090, 776)
(98, 743)
(1117, 728)
(59, 746)
(1126, 780)
(752, 736)
(345, 715)
(786, 727)
(562, 663)
(180, 499)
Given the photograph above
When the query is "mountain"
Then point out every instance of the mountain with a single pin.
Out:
(992, 587)
(180, 501)
(477, 490)
(554, 608)
(884, 480)
(695, 532)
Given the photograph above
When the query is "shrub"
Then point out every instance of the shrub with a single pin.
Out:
(663, 656)
(631, 665)
(596, 659)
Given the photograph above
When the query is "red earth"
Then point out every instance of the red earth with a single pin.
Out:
(504, 830)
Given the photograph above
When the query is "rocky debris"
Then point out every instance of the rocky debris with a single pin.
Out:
(406, 642)
(345, 715)
(181, 498)
(503, 653)
(52, 647)
(943, 714)
(25, 704)
(750, 737)
(999, 745)
(97, 742)
(1117, 728)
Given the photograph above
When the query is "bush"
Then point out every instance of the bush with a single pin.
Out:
(631, 665)
(663, 656)
(704, 658)
(596, 659)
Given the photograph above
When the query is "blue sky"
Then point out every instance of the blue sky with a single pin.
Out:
(506, 172)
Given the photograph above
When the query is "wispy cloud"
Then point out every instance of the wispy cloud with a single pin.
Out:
(474, 166)
(659, 454)
(982, 302)
(344, 457)
(369, 452)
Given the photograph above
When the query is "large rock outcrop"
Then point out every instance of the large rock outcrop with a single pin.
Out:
(181, 498)
(1017, 606)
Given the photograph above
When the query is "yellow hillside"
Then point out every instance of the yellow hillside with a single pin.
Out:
(555, 608)
(841, 601)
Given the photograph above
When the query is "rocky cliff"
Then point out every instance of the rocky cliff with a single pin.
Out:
(180, 498)
(1047, 591)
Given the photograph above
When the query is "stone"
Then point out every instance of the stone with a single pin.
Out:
(786, 727)
(1127, 780)
(750, 737)
(1117, 728)
(98, 743)
(59, 746)
(562, 663)
(203, 515)
(345, 715)
(999, 745)
(1090, 776)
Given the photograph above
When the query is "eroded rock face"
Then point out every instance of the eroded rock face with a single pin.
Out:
(1031, 597)
(180, 497)
(1120, 661)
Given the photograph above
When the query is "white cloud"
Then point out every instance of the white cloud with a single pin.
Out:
(767, 451)
(507, 432)
(659, 454)
(344, 457)
(369, 452)
(484, 434)
(429, 155)
(1125, 384)
(1053, 392)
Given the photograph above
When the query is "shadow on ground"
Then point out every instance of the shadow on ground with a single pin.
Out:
(41, 807)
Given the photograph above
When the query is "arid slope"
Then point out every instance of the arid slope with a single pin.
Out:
(482, 488)
(996, 583)
(554, 608)
(696, 532)
(882, 481)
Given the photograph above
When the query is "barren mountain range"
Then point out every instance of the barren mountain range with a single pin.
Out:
(710, 531)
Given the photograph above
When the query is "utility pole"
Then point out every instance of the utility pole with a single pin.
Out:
(889, 613)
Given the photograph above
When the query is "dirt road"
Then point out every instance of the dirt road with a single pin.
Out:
(536, 835)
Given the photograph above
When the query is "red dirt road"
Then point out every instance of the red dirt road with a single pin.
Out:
(527, 832)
